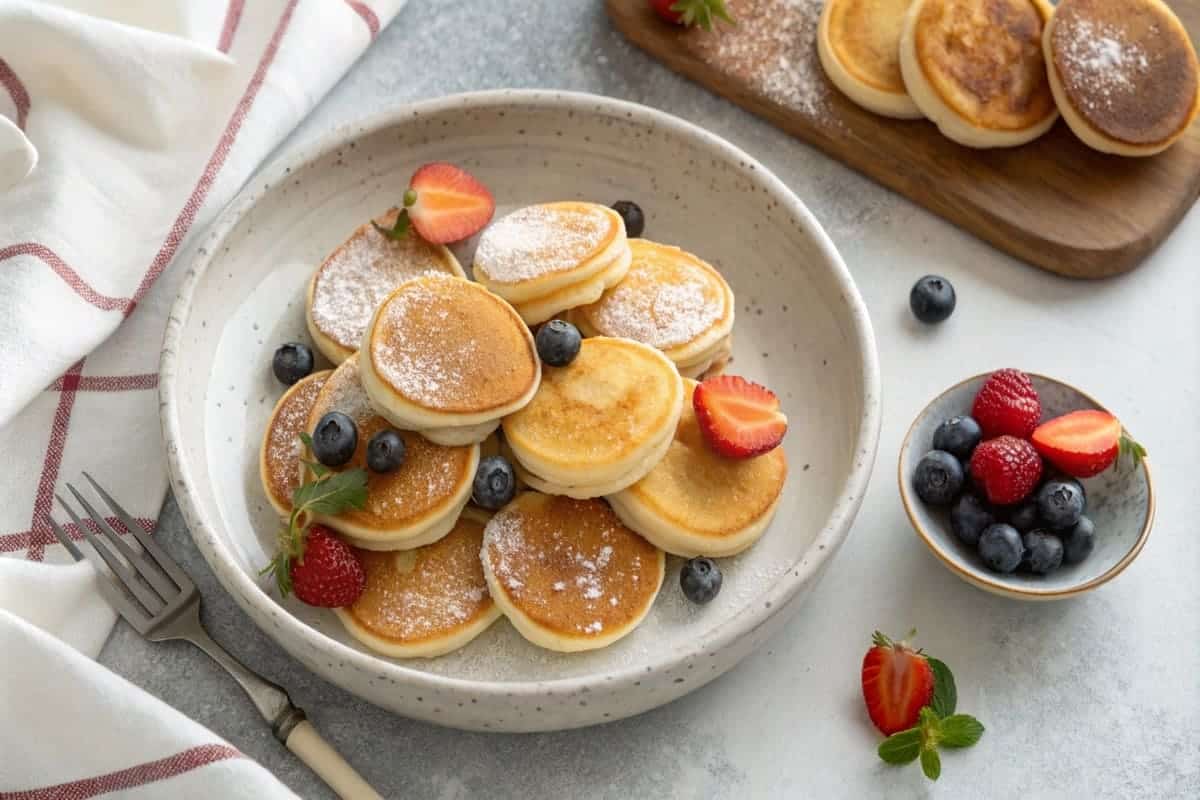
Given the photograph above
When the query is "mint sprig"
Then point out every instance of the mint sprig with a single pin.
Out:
(329, 493)
(938, 726)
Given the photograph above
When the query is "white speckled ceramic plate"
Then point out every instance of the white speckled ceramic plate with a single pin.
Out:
(802, 329)
(1119, 501)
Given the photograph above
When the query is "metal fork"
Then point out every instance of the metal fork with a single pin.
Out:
(165, 604)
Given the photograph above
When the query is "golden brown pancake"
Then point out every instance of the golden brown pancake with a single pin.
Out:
(859, 44)
(424, 602)
(567, 573)
(1124, 72)
(444, 352)
(975, 67)
(698, 503)
(356, 277)
(412, 506)
(279, 456)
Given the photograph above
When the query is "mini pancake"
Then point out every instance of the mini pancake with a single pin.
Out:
(671, 300)
(279, 455)
(448, 358)
(541, 309)
(567, 573)
(1124, 74)
(356, 277)
(425, 602)
(858, 42)
(599, 422)
(695, 503)
(539, 250)
(975, 68)
(414, 505)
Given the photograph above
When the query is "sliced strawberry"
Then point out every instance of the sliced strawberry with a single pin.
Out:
(739, 418)
(445, 204)
(1083, 443)
(897, 682)
(328, 573)
(691, 12)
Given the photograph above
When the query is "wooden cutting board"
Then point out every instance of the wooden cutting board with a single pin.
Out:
(1054, 202)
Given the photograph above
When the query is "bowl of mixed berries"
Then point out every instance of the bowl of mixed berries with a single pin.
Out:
(1025, 486)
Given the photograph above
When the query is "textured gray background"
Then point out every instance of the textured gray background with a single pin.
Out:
(1096, 697)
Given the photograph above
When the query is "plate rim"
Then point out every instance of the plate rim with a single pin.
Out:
(251, 596)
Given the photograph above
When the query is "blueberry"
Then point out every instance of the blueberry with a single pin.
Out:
(957, 436)
(385, 451)
(495, 483)
(1001, 548)
(932, 299)
(938, 478)
(292, 362)
(969, 517)
(700, 580)
(1043, 552)
(1079, 541)
(558, 343)
(1060, 504)
(335, 439)
(635, 220)
(1025, 516)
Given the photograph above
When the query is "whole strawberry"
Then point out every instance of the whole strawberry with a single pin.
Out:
(897, 682)
(1006, 468)
(1008, 404)
(328, 573)
(691, 12)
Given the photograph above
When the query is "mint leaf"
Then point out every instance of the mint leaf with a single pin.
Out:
(304, 437)
(931, 763)
(961, 730)
(334, 494)
(945, 694)
(902, 747)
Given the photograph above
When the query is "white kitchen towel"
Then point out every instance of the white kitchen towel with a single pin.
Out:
(73, 730)
(125, 126)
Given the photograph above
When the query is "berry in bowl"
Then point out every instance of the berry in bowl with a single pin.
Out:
(1025, 486)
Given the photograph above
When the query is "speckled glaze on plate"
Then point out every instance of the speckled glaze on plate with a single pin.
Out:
(1121, 503)
(802, 328)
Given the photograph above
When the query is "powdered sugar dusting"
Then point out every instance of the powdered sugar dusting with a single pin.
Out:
(358, 276)
(345, 393)
(658, 314)
(1100, 60)
(283, 437)
(537, 240)
(570, 577)
(773, 48)
(420, 373)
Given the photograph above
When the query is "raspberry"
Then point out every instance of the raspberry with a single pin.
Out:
(1008, 404)
(1007, 468)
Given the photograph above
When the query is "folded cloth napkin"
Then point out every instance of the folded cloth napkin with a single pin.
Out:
(125, 126)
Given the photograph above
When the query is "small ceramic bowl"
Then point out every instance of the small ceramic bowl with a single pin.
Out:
(1120, 501)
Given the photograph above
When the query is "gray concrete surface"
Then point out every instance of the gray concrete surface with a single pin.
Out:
(1095, 697)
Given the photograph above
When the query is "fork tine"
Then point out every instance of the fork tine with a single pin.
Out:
(147, 598)
(65, 540)
(166, 590)
(147, 541)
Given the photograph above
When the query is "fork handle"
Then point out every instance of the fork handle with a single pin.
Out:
(320, 756)
(288, 722)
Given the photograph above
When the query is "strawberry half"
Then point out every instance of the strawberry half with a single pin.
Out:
(897, 682)
(328, 573)
(445, 204)
(1084, 443)
(739, 418)
(691, 12)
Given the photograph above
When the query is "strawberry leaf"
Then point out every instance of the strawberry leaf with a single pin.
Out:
(945, 693)
(931, 763)
(902, 747)
(960, 730)
(399, 230)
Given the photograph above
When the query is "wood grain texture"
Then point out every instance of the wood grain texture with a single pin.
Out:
(1054, 202)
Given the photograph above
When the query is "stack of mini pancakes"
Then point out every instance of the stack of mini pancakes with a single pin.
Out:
(1122, 73)
(615, 469)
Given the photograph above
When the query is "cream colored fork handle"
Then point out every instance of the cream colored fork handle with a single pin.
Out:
(306, 743)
